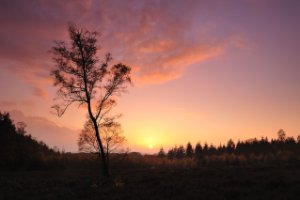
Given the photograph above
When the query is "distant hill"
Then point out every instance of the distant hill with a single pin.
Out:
(19, 150)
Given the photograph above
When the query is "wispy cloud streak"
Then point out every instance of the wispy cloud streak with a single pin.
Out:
(158, 38)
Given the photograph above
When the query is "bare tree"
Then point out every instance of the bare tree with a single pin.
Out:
(82, 78)
(110, 136)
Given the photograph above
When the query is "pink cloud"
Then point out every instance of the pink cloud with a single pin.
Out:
(28, 103)
(158, 38)
(172, 66)
(7, 104)
(14, 104)
(41, 93)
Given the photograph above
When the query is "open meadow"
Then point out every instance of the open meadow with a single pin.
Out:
(78, 176)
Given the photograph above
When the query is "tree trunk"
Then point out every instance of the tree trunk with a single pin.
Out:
(94, 120)
(107, 154)
(101, 151)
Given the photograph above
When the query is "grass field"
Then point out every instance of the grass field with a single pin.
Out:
(81, 179)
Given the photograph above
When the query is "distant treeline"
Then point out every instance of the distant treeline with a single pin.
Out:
(283, 148)
(19, 150)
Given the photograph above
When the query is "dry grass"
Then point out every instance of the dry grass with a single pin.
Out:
(78, 176)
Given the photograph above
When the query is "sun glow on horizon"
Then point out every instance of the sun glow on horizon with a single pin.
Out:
(150, 136)
(145, 136)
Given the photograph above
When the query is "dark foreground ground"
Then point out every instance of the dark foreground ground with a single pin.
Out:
(140, 182)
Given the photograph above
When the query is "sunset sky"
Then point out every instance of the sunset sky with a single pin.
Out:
(203, 70)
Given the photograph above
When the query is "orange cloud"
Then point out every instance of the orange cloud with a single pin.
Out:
(164, 60)
(28, 103)
(156, 46)
(7, 104)
(34, 75)
(152, 36)
(39, 92)
(172, 67)
(158, 42)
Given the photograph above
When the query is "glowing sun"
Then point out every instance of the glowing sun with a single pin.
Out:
(150, 146)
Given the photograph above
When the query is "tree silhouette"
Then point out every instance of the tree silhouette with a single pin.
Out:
(230, 146)
(189, 150)
(205, 148)
(83, 79)
(171, 153)
(281, 135)
(110, 136)
(21, 128)
(6, 124)
(285, 148)
(198, 149)
(161, 153)
(180, 152)
(19, 150)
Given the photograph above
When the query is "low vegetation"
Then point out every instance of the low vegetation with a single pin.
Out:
(253, 169)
